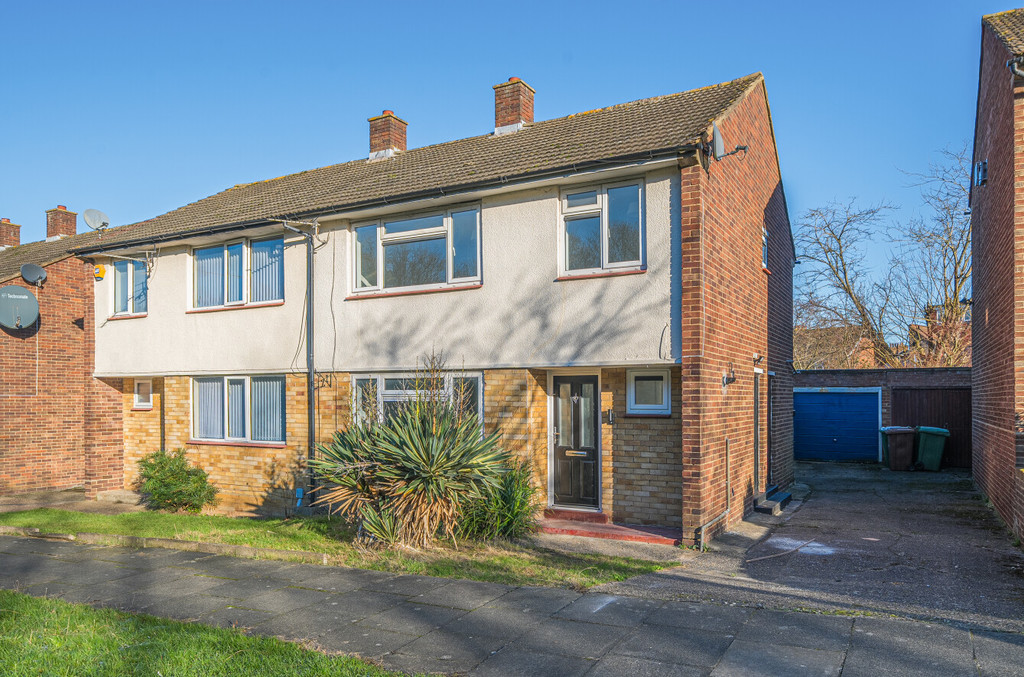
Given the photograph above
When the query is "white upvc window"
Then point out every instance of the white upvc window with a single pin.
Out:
(238, 273)
(131, 289)
(601, 228)
(425, 251)
(143, 397)
(649, 392)
(238, 408)
(384, 393)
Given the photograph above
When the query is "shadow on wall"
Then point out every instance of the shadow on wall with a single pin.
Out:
(276, 495)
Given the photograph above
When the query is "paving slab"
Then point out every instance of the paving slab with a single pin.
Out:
(412, 618)
(908, 648)
(811, 631)
(535, 600)
(408, 585)
(463, 594)
(238, 618)
(363, 641)
(520, 662)
(349, 607)
(569, 638)
(999, 654)
(442, 651)
(758, 659)
(707, 617)
(496, 622)
(334, 579)
(666, 644)
(293, 625)
(616, 666)
(284, 600)
(609, 610)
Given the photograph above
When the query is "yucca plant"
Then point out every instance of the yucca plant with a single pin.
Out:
(419, 466)
(508, 510)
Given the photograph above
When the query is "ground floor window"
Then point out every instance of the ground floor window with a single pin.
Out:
(648, 391)
(381, 395)
(143, 398)
(239, 408)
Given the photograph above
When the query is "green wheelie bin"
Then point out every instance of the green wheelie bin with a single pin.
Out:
(931, 443)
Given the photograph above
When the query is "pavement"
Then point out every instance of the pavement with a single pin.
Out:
(717, 614)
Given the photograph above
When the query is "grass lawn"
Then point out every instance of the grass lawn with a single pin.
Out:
(499, 562)
(51, 637)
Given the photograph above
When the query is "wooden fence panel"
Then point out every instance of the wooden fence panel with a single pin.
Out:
(948, 408)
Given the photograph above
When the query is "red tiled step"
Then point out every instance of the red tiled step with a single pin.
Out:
(616, 532)
(576, 515)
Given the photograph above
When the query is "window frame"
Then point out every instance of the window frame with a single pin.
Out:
(130, 312)
(396, 395)
(445, 231)
(138, 405)
(634, 409)
(246, 296)
(764, 248)
(600, 209)
(227, 438)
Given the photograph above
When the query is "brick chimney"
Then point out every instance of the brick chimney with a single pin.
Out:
(513, 106)
(10, 234)
(387, 135)
(60, 223)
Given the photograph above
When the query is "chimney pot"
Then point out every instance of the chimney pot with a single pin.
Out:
(60, 223)
(387, 134)
(513, 105)
(5, 220)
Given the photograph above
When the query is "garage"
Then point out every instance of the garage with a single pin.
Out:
(837, 424)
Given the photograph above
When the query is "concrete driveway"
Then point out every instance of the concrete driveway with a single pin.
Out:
(917, 545)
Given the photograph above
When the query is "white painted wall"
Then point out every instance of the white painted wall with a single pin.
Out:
(171, 341)
(520, 316)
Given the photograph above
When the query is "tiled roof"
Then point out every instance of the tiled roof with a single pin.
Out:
(41, 253)
(1009, 26)
(645, 127)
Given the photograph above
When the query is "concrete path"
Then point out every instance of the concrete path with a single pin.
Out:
(916, 545)
(417, 623)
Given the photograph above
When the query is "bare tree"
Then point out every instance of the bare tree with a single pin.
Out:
(916, 312)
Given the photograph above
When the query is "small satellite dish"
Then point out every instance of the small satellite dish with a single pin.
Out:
(18, 307)
(33, 274)
(717, 143)
(96, 219)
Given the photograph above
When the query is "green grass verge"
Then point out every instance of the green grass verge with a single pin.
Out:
(499, 562)
(51, 637)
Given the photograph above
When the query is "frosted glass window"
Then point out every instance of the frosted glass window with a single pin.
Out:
(565, 415)
(587, 416)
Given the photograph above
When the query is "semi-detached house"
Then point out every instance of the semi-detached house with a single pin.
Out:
(616, 300)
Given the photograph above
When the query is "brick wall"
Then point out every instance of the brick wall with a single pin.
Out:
(725, 311)
(59, 427)
(886, 379)
(515, 403)
(997, 224)
(252, 478)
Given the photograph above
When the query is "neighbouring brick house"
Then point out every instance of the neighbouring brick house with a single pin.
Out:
(59, 427)
(997, 225)
(617, 301)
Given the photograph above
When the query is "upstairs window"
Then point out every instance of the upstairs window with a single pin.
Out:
(602, 228)
(238, 273)
(431, 251)
(130, 287)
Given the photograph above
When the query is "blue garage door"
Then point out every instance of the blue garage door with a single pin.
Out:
(835, 426)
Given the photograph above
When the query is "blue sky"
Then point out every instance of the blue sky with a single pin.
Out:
(138, 108)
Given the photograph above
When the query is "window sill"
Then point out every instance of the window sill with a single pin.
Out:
(141, 409)
(237, 443)
(127, 316)
(608, 273)
(217, 309)
(410, 292)
(766, 271)
(646, 416)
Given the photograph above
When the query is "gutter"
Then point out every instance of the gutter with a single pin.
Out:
(443, 191)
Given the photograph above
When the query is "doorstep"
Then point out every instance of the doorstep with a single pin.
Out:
(617, 532)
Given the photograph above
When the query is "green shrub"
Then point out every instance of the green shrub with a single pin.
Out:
(173, 484)
(509, 510)
(407, 478)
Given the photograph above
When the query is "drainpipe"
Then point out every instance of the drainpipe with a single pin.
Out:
(1014, 66)
(728, 498)
(310, 364)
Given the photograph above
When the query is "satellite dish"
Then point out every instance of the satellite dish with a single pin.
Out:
(96, 219)
(18, 307)
(717, 144)
(33, 274)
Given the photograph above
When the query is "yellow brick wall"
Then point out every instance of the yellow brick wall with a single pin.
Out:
(515, 403)
(250, 478)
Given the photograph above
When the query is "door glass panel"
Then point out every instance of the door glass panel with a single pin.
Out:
(587, 416)
(565, 415)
